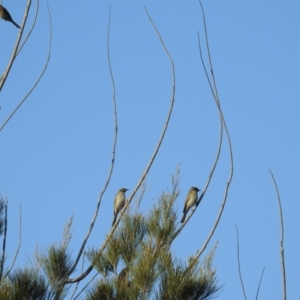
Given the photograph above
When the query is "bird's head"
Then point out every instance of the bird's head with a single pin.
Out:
(195, 189)
(123, 190)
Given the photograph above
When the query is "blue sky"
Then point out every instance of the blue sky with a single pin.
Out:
(56, 151)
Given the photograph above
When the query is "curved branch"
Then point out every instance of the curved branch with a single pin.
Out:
(238, 258)
(281, 240)
(261, 276)
(216, 97)
(111, 166)
(39, 78)
(150, 162)
(213, 86)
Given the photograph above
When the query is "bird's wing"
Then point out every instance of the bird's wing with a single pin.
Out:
(185, 209)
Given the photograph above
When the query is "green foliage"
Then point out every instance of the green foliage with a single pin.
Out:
(24, 284)
(140, 250)
(57, 263)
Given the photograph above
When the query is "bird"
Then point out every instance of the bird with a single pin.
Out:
(5, 15)
(191, 199)
(119, 203)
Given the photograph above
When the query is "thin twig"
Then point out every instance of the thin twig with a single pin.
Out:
(228, 140)
(281, 239)
(39, 78)
(261, 276)
(84, 274)
(238, 258)
(223, 123)
(86, 285)
(142, 191)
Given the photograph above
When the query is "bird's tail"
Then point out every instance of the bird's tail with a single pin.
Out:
(15, 24)
(183, 218)
(114, 221)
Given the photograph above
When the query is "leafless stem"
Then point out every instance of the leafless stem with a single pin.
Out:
(261, 276)
(143, 189)
(39, 78)
(281, 239)
(31, 29)
(238, 258)
(216, 97)
(111, 166)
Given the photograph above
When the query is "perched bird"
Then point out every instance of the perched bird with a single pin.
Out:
(190, 200)
(119, 203)
(5, 15)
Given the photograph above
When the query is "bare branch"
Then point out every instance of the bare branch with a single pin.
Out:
(228, 140)
(261, 276)
(238, 258)
(281, 239)
(39, 78)
(213, 86)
